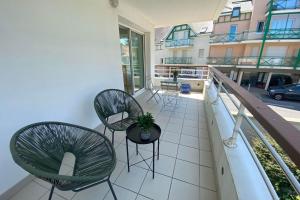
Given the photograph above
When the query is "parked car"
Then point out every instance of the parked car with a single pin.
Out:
(280, 80)
(291, 91)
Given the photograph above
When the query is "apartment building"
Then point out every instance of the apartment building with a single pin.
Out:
(253, 40)
(185, 48)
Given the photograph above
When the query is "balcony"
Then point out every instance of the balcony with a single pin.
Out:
(179, 43)
(178, 60)
(238, 37)
(222, 60)
(269, 61)
(280, 5)
(280, 34)
(200, 135)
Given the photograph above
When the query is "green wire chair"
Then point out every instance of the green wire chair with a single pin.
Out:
(39, 149)
(113, 101)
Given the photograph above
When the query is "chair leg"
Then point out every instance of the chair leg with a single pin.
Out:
(113, 137)
(112, 190)
(51, 192)
(104, 130)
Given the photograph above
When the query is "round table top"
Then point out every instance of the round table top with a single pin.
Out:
(133, 133)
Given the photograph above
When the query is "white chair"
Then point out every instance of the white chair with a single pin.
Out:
(153, 90)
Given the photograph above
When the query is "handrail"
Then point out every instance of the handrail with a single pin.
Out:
(285, 134)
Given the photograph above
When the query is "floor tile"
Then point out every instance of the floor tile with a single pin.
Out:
(120, 166)
(66, 194)
(191, 123)
(96, 192)
(207, 195)
(122, 154)
(175, 120)
(189, 141)
(140, 197)
(206, 158)
(54, 197)
(138, 158)
(121, 194)
(191, 131)
(151, 186)
(168, 148)
(203, 133)
(32, 191)
(186, 171)
(173, 127)
(169, 137)
(188, 154)
(207, 178)
(204, 144)
(181, 190)
(132, 180)
(165, 165)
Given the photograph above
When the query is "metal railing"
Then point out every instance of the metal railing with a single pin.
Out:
(292, 33)
(285, 134)
(178, 60)
(284, 5)
(236, 37)
(179, 43)
(268, 61)
(200, 73)
(222, 60)
(228, 17)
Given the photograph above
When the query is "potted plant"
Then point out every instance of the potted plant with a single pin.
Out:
(145, 122)
(175, 75)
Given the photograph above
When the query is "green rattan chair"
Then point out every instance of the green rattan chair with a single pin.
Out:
(39, 149)
(111, 102)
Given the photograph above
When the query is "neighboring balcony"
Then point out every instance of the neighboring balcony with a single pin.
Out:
(178, 60)
(284, 5)
(222, 60)
(236, 37)
(269, 61)
(179, 43)
(274, 34)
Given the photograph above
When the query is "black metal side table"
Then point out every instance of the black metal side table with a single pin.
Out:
(133, 134)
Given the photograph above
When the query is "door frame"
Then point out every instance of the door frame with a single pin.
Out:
(130, 55)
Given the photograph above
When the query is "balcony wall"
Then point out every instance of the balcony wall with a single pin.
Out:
(238, 176)
(55, 56)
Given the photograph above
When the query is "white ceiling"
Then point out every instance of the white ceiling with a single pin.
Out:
(171, 12)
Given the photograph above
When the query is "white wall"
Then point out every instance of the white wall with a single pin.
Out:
(55, 56)
(200, 42)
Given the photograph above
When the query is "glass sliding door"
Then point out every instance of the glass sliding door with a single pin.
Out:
(126, 64)
(137, 55)
(132, 53)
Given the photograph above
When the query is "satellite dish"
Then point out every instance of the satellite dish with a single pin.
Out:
(114, 3)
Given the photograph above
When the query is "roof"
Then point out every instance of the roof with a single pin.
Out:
(199, 28)
(246, 6)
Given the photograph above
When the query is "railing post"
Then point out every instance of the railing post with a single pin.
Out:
(231, 142)
(218, 93)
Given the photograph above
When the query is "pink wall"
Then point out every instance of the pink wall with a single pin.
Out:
(223, 28)
(258, 13)
(220, 51)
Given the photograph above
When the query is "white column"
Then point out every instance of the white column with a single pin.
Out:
(240, 76)
(231, 74)
(268, 80)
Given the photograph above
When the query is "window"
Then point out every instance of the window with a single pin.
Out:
(201, 53)
(260, 27)
(236, 12)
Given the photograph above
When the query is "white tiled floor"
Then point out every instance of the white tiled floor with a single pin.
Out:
(184, 169)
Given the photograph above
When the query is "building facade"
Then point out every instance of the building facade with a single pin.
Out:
(183, 48)
(254, 40)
